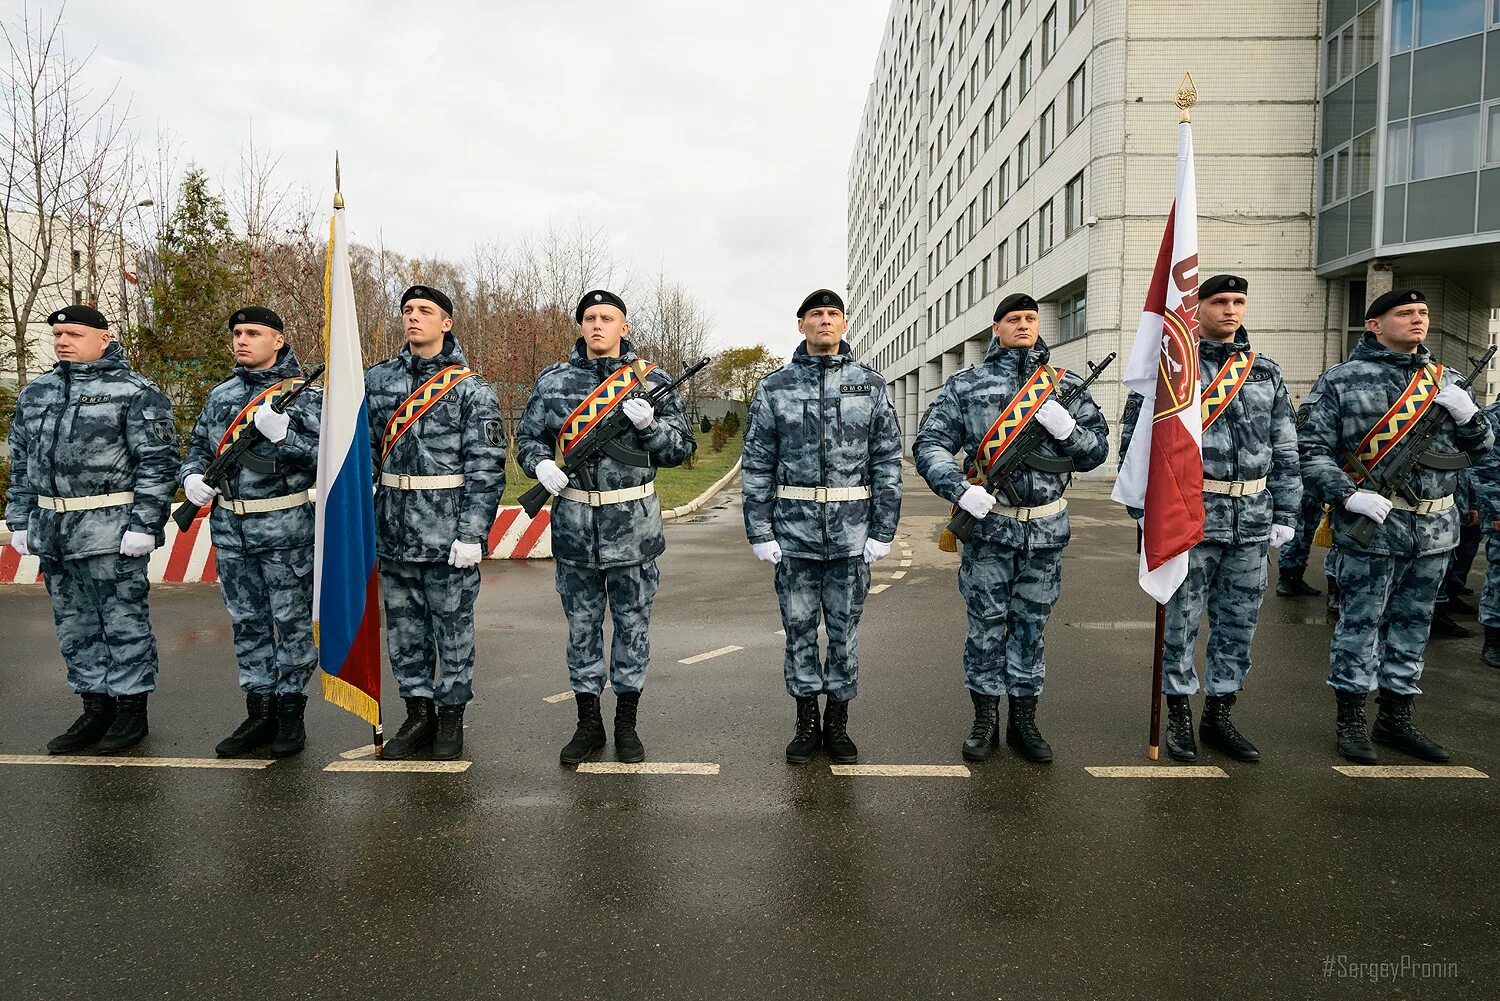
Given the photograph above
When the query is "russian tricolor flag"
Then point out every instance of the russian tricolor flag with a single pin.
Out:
(346, 592)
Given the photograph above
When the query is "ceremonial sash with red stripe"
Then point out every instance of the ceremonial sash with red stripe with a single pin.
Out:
(1037, 390)
(246, 416)
(605, 397)
(419, 403)
(1401, 418)
(1226, 386)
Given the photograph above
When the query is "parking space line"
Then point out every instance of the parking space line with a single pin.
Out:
(564, 696)
(398, 766)
(898, 575)
(648, 768)
(368, 751)
(878, 588)
(902, 771)
(1157, 772)
(699, 658)
(1409, 772)
(906, 563)
(114, 761)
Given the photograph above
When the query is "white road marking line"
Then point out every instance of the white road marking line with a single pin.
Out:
(878, 588)
(1410, 772)
(1157, 772)
(903, 771)
(368, 751)
(127, 762)
(898, 575)
(906, 563)
(648, 768)
(398, 766)
(700, 657)
(564, 696)
(781, 632)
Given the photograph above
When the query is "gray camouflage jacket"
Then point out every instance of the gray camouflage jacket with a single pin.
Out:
(822, 421)
(1484, 476)
(964, 410)
(615, 535)
(83, 429)
(1256, 436)
(461, 433)
(1344, 405)
(296, 461)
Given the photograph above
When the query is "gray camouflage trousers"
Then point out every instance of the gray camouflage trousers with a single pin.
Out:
(1009, 594)
(833, 591)
(628, 593)
(429, 629)
(1489, 598)
(103, 624)
(1295, 554)
(269, 597)
(1385, 612)
(1229, 581)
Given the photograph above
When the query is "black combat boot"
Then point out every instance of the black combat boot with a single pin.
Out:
(448, 743)
(416, 731)
(98, 714)
(1491, 653)
(1180, 743)
(808, 735)
(836, 740)
(291, 735)
(1291, 585)
(589, 737)
(1393, 728)
(1444, 627)
(1456, 605)
(1217, 730)
(984, 735)
(1332, 603)
(628, 746)
(1021, 732)
(129, 727)
(257, 730)
(1353, 737)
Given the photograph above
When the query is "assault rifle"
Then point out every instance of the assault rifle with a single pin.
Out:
(1398, 475)
(1026, 451)
(606, 438)
(238, 454)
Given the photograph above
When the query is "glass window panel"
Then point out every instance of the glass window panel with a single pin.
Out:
(1330, 179)
(1338, 12)
(1492, 66)
(1440, 20)
(1492, 134)
(1440, 207)
(1346, 52)
(1396, 158)
(1333, 233)
(1366, 100)
(1446, 143)
(1338, 112)
(1400, 100)
(1489, 201)
(1363, 164)
(1331, 62)
(1393, 229)
(1402, 19)
(1446, 76)
(1361, 222)
(1367, 30)
(1342, 178)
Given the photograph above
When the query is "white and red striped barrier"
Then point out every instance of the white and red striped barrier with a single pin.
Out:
(188, 557)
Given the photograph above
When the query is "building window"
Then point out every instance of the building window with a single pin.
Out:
(1046, 133)
(1023, 159)
(1007, 22)
(974, 148)
(1434, 21)
(1023, 246)
(1002, 263)
(77, 298)
(1023, 72)
(1049, 35)
(988, 198)
(1492, 129)
(972, 292)
(77, 260)
(1396, 158)
(984, 276)
(1075, 10)
(1044, 228)
(989, 125)
(1007, 101)
(1005, 188)
(1445, 143)
(972, 217)
(1073, 199)
(1077, 99)
(1072, 317)
(989, 51)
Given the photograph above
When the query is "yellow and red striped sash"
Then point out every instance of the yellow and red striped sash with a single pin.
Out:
(1037, 390)
(1401, 418)
(605, 397)
(1226, 386)
(246, 416)
(419, 403)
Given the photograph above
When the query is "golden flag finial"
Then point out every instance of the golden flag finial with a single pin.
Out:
(338, 195)
(1186, 96)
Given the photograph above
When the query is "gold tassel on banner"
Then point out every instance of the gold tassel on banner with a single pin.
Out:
(351, 699)
(948, 542)
(1323, 537)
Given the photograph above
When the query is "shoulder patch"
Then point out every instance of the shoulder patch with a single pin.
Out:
(856, 390)
(494, 432)
(1304, 413)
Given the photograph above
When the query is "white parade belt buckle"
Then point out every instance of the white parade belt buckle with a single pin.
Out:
(820, 495)
(1237, 488)
(403, 481)
(596, 498)
(1022, 514)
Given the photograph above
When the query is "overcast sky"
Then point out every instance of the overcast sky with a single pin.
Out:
(710, 139)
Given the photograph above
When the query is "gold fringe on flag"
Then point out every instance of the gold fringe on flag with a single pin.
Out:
(351, 699)
(948, 542)
(1323, 537)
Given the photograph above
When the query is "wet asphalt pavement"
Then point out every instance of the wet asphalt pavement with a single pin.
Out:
(521, 879)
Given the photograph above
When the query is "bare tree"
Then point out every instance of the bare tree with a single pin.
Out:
(672, 330)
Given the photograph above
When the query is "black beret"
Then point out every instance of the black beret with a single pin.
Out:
(1395, 297)
(597, 297)
(430, 294)
(257, 314)
(88, 316)
(1223, 283)
(1012, 303)
(822, 297)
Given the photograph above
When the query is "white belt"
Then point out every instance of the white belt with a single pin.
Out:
(1437, 505)
(1025, 514)
(264, 504)
(599, 498)
(401, 481)
(822, 495)
(1234, 488)
(62, 505)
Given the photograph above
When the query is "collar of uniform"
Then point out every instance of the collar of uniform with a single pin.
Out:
(801, 356)
(1023, 358)
(1369, 348)
(286, 366)
(1218, 352)
(580, 356)
(451, 354)
(113, 358)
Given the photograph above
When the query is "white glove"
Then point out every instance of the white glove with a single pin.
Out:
(464, 554)
(1456, 401)
(551, 477)
(18, 543)
(1055, 418)
(273, 425)
(137, 544)
(198, 492)
(1281, 535)
(875, 550)
(977, 501)
(1368, 503)
(767, 552)
(639, 412)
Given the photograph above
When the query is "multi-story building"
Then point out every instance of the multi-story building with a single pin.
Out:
(1029, 145)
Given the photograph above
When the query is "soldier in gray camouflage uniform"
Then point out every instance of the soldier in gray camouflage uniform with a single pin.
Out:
(1484, 478)
(605, 542)
(822, 495)
(435, 503)
(262, 525)
(93, 454)
(1252, 495)
(1011, 572)
(1386, 588)
(1291, 564)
